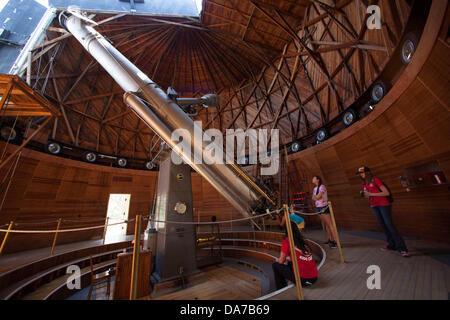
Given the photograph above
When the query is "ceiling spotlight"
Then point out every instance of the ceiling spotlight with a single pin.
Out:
(295, 146)
(90, 157)
(149, 165)
(8, 133)
(349, 117)
(409, 48)
(378, 91)
(122, 162)
(322, 135)
(53, 147)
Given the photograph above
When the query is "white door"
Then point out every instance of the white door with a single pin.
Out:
(118, 206)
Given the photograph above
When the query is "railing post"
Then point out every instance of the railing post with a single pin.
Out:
(135, 265)
(104, 230)
(56, 234)
(6, 236)
(333, 221)
(298, 282)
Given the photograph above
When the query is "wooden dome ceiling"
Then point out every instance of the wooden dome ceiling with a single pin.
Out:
(292, 65)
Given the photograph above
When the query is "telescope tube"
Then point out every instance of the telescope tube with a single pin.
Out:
(154, 107)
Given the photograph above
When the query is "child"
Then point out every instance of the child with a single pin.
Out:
(320, 196)
(306, 264)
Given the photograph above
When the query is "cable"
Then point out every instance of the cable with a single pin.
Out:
(62, 230)
(131, 220)
(83, 221)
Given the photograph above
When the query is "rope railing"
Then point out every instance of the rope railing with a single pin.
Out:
(83, 221)
(63, 220)
(106, 224)
(65, 230)
(216, 222)
(34, 223)
(305, 213)
(131, 220)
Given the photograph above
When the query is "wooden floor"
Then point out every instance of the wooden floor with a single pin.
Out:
(221, 283)
(17, 259)
(419, 277)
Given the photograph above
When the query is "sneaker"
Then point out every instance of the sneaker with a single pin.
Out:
(404, 254)
(386, 249)
(327, 242)
(333, 244)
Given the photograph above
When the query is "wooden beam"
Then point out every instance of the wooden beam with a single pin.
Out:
(63, 112)
(12, 155)
(6, 94)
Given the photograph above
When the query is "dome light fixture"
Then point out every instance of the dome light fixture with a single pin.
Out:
(122, 162)
(149, 165)
(8, 133)
(53, 147)
(322, 135)
(90, 157)
(378, 91)
(295, 146)
(409, 48)
(349, 117)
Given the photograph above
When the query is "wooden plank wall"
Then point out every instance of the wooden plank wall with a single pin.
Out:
(47, 187)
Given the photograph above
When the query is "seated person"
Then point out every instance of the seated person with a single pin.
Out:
(300, 222)
(306, 264)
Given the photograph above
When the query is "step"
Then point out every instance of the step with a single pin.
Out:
(14, 291)
(50, 289)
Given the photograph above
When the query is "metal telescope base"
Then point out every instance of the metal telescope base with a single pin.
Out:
(176, 245)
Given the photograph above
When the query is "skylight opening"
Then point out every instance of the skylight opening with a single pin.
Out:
(199, 4)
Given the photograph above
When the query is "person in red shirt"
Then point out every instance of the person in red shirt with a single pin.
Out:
(284, 269)
(377, 193)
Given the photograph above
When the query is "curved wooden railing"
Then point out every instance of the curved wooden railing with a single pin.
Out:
(261, 245)
(24, 279)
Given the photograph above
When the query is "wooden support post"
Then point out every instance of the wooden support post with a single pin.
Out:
(298, 282)
(6, 236)
(12, 155)
(135, 266)
(56, 235)
(104, 230)
(333, 221)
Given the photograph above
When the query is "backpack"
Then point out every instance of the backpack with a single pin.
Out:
(389, 198)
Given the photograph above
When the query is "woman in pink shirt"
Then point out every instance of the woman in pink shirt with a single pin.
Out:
(320, 197)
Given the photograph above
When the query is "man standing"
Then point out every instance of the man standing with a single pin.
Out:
(377, 193)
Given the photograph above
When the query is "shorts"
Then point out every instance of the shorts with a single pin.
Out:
(326, 210)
